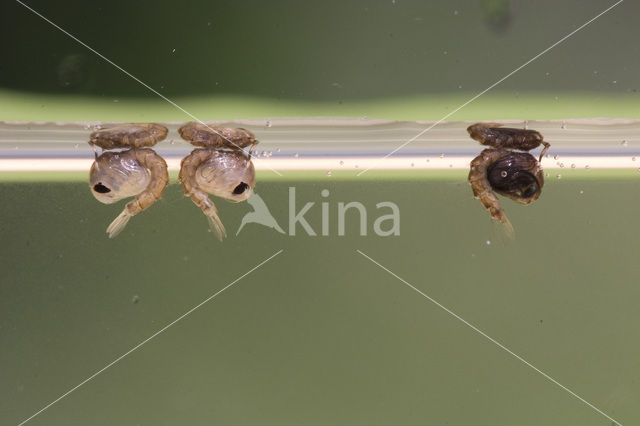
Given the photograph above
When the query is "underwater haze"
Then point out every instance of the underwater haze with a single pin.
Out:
(433, 316)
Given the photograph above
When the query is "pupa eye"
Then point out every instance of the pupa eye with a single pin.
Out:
(100, 188)
(530, 191)
(240, 188)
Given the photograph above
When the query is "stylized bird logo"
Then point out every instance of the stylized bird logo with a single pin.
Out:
(260, 215)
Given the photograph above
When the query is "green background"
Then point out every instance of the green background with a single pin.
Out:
(320, 335)
(251, 59)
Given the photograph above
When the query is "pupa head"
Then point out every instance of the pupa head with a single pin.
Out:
(117, 175)
(516, 175)
(227, 174)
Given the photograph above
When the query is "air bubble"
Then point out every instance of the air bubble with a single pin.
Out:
(564, 125)
(559, 176)
(573, 166)
(329, 173)
(555, 157)
(268, 124)
(341, 162)
(441, 155)
(503, 173)
(488, 242)
(624, 143)
(295, 155)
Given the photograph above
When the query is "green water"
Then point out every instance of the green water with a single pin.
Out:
(320, 335)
